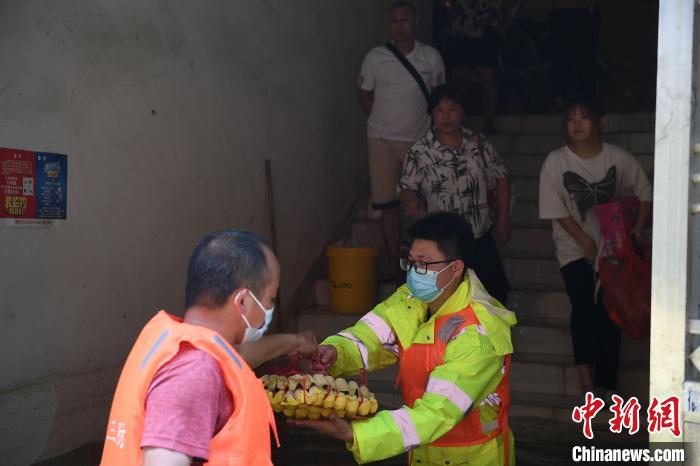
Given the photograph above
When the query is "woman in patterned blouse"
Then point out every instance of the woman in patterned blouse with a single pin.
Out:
(453, 169)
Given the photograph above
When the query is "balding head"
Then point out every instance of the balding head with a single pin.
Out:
(225, 261)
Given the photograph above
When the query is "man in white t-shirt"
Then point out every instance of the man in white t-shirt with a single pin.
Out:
(573, 180)
(397, 113)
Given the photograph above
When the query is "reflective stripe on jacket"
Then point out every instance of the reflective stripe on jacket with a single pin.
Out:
(473, 362)
(243, 440)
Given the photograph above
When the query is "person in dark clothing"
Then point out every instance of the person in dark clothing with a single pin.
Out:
(574, 34)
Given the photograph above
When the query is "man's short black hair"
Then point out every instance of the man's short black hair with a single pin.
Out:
(588, 104)
(451, 233)
(444, 92)
(222, 262)
(403, 4)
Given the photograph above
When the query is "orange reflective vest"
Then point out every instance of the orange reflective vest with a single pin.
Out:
(243, 440)
(419, 360)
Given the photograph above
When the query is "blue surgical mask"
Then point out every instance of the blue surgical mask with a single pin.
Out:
(252, 333)
(424, 286)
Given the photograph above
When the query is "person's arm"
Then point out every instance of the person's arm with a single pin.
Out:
(410, 202)
(409, 183)
(590, 249)
(369, 344)
(164, 457)
(437, 77)
(366, 82)
(642, 219)
(272, 346)
(470, 373)
(365, 98)
(634, 175)
(503, 221)
(553, 207)
(497, 169)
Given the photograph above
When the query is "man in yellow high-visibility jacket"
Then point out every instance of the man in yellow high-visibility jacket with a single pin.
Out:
(452, 341)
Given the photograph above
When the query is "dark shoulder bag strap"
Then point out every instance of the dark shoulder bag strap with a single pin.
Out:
(411, 69)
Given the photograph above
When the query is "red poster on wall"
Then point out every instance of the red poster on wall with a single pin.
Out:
(32, 187)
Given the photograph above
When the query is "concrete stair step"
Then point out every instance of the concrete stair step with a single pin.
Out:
(526, 214)
(533, 274)
(530, 165)
(535, 339)
(558, 407)
(527, 188)
(555, 408)
(523, 165)
(632, 122)
(530, 243)
(548, 306)
(557, 375)
(541, 143)
(552, 123)
(557, 341)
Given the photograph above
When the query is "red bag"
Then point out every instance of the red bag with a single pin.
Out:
(626, 283)
(616, 220)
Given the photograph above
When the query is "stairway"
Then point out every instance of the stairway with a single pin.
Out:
(544, 382)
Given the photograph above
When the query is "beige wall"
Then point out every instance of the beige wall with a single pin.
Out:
(167, 111)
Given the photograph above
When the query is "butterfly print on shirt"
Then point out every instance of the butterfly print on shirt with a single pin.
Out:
(586, 195)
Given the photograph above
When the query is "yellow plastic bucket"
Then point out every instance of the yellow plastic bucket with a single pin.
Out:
(352, 273)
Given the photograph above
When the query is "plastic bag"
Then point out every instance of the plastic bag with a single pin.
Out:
(626, 283)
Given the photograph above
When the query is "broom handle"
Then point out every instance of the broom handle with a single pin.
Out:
(273, 233)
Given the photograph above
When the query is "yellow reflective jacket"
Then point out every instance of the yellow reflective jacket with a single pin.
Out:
(473, 364)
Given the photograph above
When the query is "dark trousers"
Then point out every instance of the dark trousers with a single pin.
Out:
(573, 52)
(488, 267)
(596, 339)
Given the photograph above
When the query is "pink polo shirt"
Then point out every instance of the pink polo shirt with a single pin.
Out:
(186, 405)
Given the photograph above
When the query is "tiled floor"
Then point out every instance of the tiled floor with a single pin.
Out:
(538, 443)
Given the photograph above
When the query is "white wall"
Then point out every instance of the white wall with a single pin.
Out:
(167, 110)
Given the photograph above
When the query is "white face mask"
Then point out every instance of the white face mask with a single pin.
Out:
(252, 333)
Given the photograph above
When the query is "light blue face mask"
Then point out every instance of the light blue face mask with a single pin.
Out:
(252, 333)
(424, 286)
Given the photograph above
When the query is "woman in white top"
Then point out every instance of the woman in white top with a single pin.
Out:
(574, 179)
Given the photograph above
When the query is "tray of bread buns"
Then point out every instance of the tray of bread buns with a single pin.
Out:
(317, 396)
